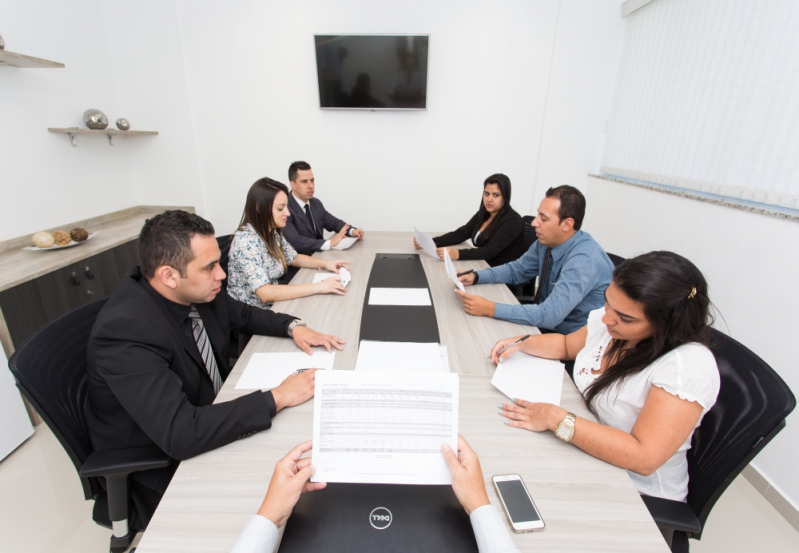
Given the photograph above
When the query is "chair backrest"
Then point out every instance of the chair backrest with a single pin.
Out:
(50, 368)
(750, 410)
(616, 259)
(224, 247)
(529, 231)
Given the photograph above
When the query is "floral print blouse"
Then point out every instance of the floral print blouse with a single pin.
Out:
(250, 266)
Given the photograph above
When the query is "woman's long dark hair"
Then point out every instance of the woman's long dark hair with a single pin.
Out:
(258, 213)
(673, 293)
(503, 182)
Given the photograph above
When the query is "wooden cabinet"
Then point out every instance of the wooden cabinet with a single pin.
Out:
(30, 305)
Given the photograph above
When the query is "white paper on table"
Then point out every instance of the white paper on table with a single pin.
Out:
(523, 376)
(345, 275)
(345, 243)
(399, 296)
(426, 242)
(265, 371)
(450, 268)
(399, 357)
(384, 427)
(444, 358)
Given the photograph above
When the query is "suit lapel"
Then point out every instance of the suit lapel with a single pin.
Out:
(299, 214)
(216, 336)
(318, 217)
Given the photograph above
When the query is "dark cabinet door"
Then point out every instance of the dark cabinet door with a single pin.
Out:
(126, 257)
(23, 311)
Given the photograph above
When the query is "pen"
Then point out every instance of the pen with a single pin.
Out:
(465, 272)
(519, 341)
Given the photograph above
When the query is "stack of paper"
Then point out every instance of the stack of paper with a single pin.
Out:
(399, 296)
(523, 376)
(426, 242)
(267, 370)
(401, 357)
(450, 268)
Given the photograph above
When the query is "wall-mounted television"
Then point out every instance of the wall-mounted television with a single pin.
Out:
(372, 71)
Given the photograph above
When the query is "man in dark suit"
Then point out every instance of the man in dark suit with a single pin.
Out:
(158, 354)
(308, 218)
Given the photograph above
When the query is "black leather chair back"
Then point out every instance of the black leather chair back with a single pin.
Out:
(224, 247)
(751, 409)
(50, 368)
(529, 231)
(616, 259)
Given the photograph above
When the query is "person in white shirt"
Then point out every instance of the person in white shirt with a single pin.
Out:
(644, 369)
(292, 473)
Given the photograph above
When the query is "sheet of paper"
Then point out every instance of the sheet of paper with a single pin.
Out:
(399, 357)
(344, 274)
(267, 370)
(399, 296)
(453, 274)
(426, 242)
(383, 427)
(345, 243)
(531, 378)
(444, 358)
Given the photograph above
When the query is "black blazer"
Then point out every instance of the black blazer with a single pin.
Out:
(299, 232)
(505, 246)
(148, 385)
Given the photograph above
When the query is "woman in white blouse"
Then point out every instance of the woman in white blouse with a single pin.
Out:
(643, 369)
(260, 255)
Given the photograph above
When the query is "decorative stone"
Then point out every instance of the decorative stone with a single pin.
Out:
(79, 234)
(2, 43)
(62, 238)
(95, 119)
(43, 240)
(123, 124)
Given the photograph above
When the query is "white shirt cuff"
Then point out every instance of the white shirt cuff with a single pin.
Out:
(490, 532)
(258, 536)
(326, 246)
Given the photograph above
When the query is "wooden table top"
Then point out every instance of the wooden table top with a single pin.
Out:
(587, 504)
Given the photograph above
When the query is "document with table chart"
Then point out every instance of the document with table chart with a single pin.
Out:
(384, 427)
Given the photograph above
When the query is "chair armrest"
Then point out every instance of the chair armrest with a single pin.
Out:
(674, 515)
(124, 461)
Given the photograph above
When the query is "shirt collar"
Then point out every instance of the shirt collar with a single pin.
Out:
(563, 249)
(179, 312)
(299, 201)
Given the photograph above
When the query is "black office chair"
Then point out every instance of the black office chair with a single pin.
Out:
(616, 259)
(50, 368)
(751, 409)
(224, 247)
(526, 292)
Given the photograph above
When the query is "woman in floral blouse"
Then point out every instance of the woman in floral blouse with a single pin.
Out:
(259, 255)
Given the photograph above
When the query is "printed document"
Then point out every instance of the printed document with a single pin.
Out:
(450, 268)
(399, 296)
(426, 242)
(343, 273)
(400, 357)
(267, 370)
(530, 378)
(384, 427)
(345, 243)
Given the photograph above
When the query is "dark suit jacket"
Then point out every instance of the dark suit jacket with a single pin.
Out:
(148, 384)
(506, 245)
(300, 233)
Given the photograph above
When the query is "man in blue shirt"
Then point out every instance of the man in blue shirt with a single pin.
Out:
(574, 270)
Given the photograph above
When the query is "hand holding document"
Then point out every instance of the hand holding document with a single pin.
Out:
(383, 427)
(267, 370)
(345, 243)
(343, 273)
(426, 242)
(530, 378)
(453, 274)
(401, 357)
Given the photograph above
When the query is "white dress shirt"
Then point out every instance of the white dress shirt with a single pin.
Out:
(260, 534)
(326, 245)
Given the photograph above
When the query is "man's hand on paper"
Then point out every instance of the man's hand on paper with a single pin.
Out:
(536, 417)
(467, 280)
(296, 389)
(339, 236)
(453, 253)
(357, 233)
(332, 285)
(289, 480)
(475, 305)
(305, 338)
(467, 476)
(496, 358)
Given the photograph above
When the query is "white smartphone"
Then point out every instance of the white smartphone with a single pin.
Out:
(518, 504)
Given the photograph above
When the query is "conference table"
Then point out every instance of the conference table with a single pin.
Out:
(587, 504)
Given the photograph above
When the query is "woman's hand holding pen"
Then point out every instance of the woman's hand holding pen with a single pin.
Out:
(497, 357)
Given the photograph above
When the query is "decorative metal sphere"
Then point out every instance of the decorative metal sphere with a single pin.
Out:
(95, 119)
(123, 124)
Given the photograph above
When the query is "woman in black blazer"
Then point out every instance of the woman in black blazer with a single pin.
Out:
(496, 231)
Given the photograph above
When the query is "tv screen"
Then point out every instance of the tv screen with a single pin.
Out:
(372, 72)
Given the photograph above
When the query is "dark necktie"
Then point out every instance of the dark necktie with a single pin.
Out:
(310, 218)
(544, 277)
(204, 345)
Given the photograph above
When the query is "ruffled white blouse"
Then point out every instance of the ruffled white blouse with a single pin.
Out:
(689, 372)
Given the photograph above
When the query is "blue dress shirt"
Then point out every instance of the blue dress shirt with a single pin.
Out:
(580, 273)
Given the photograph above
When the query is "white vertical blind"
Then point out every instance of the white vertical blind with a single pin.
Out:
(708, 99)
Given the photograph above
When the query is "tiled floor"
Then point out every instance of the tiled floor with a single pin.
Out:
(42, 510)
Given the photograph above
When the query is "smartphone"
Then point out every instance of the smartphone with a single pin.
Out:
(518, 504)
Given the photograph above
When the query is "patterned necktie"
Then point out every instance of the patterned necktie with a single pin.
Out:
(204, 345)
(542, 280)
(310, 218)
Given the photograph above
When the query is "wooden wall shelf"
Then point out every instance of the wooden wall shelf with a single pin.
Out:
(21, 60)
(110, 133)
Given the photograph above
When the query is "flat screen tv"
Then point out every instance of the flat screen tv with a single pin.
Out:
(372, 71)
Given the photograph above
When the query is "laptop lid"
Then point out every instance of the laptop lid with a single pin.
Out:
(378, 517)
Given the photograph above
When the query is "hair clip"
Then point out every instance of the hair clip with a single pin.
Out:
(693, 293)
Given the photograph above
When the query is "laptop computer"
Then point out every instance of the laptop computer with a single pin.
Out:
(388, 518)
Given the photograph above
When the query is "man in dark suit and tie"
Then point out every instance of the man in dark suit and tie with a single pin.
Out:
(158, 355)
(309, 218)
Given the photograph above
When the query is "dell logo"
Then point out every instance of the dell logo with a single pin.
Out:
(380, 518)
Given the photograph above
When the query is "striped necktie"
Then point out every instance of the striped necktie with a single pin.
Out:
(204, 345)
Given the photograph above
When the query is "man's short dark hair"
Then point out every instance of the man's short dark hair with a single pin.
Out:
(572, 203)
(297, 166)
(166, 240)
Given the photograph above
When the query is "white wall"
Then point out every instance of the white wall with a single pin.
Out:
(750, 263)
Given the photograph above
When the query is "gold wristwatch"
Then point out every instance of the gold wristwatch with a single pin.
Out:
(565, 428)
